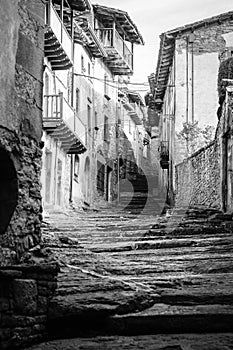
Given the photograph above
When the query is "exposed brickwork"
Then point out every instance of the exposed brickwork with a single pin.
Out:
(207, 39)
(198, 178)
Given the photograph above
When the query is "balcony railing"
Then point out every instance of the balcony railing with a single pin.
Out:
(111, 39)
(58, 43)
(58, 112)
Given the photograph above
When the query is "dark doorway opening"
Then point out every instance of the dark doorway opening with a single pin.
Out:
(100, 178)
(8, 190)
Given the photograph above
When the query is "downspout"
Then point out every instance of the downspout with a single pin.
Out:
(192, 85)
(187, 79)
(72, 104)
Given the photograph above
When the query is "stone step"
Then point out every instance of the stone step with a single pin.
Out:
(162, 318)
(159, 319)
(209, 341)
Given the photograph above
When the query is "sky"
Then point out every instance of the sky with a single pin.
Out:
(153, 17)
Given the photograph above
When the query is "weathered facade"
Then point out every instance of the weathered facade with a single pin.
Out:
(22, 51)
(81, 108)
(184, 88)
(205, 178)
(24, 288)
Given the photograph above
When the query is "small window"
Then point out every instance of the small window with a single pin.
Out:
(89, 69)
(76, 166)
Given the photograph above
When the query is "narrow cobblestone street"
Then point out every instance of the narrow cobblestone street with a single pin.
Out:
(127, 278)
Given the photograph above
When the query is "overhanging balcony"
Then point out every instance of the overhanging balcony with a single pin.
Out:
(119, 57)
(58, 43)
(61, 122)
(134, 112)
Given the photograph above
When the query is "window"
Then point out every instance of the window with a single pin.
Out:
(76, 166)
(89, 69)
(106, 129)
(77, 100)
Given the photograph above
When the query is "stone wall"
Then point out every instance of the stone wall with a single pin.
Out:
(24, 296)
(21, 62)
(198, 179)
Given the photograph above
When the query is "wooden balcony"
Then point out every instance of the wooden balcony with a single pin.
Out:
(61, 122)
(58, 43)
(164, 154)
(134, 112)
(119, 57)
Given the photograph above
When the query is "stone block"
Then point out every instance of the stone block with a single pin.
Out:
(5, 333)
(31, 123)
(37, 8)
(4, 304)
(30, 57)
(25, 296)
(42, 305)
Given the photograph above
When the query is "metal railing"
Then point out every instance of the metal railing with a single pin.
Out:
(110, 38)
(56, 107)
(55, 23)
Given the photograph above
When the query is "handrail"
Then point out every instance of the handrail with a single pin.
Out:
(59, 29)
(58, 108)
(111, 38)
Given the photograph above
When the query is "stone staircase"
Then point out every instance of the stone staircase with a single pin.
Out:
(127, 274)
(139, 195)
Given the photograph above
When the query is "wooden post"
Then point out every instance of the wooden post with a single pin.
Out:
(132, 56)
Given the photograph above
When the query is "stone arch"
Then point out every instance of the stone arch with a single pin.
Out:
(8, 189)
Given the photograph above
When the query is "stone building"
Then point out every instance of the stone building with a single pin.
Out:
(25, 288)
(22, 52)
(134, 129)
(81, 108)
(184, 94)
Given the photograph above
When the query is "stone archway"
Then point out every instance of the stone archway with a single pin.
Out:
(8, 189)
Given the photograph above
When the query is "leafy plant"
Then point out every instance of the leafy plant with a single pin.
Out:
(195, 137)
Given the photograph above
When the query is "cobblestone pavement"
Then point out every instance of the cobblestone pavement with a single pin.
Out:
(137, 275)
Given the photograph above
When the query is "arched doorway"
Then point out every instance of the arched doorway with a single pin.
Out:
(8, 190)
(87, 180)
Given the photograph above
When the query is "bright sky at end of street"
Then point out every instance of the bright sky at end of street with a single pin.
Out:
(152, 17)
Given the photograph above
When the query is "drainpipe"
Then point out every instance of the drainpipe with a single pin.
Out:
(187, 79)
(55, 173)
(72, 104)
(192, 83)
